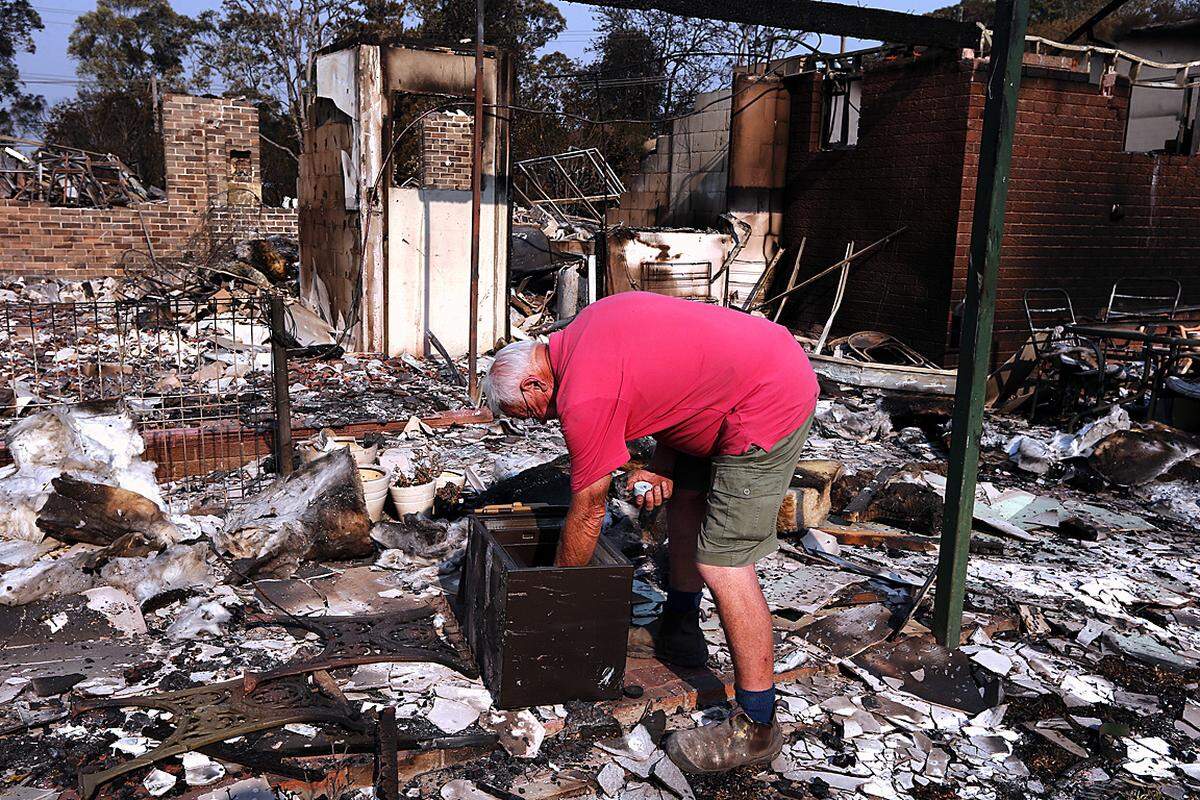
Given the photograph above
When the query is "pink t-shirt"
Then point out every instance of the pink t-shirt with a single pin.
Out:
(702, 379)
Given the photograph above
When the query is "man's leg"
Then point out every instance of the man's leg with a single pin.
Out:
(752, 735)
(685, 515)
(738, 530)
(680, 640)
(747, 623)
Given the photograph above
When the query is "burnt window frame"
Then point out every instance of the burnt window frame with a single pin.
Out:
(837, 85)
(1187, 133)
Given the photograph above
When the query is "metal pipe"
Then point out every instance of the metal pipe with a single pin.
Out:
(282, 400)
(476, 201)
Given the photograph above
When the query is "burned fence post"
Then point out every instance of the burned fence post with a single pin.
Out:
(987, 226)
(283, 402)
(387, 776)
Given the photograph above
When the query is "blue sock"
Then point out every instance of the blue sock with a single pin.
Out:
(759, 706)
(682, 602)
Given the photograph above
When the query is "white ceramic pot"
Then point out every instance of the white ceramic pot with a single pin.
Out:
(413, 499)
(374, 484)
(363, 456)
(373, 479)
(375, 508)
(450, 476)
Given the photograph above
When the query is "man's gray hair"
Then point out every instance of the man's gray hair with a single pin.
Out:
(502, 384)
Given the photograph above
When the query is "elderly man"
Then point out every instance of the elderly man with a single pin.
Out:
(728, 398)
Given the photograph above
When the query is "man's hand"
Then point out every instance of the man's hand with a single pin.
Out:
(660, 488)
(581, 528)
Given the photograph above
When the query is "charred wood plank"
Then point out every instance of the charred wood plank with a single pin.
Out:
(820, 17)
(95, 513)
(858, 506)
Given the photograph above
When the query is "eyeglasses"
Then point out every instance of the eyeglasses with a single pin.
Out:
(528, 408)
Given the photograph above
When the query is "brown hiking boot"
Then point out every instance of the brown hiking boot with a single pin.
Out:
(736, 742)
(680, 640)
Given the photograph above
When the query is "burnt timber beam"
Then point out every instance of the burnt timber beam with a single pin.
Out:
(813, 16)
(1107, 10)
(983, 266)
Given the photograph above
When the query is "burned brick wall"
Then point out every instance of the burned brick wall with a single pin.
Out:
(906, 170)
(210, 181)
(330, 228)
(1081, 211)
(446, 151)
(683, 181)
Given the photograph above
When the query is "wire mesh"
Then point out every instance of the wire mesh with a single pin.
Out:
(196, 374)
(577, 183)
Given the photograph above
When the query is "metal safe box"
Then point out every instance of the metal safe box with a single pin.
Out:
(543, 635)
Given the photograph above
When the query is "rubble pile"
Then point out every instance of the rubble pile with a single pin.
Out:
(360, 388)
(549, 265)
(67, 176)
(1077, 675)
(156, 354)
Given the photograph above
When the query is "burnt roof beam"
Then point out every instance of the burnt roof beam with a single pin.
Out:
(813, 16)
(1105, 11)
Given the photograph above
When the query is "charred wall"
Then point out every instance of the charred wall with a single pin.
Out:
(210, 182)
(682, 181)
(329, 233)
(1081, 211)
(905, 170)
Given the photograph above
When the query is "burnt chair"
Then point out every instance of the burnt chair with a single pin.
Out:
(1078, 362)
(1146, 304)
(1177, 403)
(1143, 299)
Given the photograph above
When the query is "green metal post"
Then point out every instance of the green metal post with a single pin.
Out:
(987, 226)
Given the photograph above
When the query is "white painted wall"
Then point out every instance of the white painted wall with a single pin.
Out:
(428, 254)
(1154, 114)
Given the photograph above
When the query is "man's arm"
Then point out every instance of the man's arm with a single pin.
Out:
(581, 529)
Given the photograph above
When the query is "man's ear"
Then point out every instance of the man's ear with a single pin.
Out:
(534, 383)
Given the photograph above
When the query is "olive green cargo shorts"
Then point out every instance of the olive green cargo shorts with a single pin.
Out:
(744, 496)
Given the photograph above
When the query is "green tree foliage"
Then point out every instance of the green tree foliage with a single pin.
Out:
(121, 46)
(117, 121)
(520, 26)
(19, 109)
(547, 87)
(123, 42)
(693, 55)
(686, 52)
(1056, 19)
(629, 85)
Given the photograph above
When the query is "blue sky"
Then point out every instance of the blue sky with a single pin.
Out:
(52, 64)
